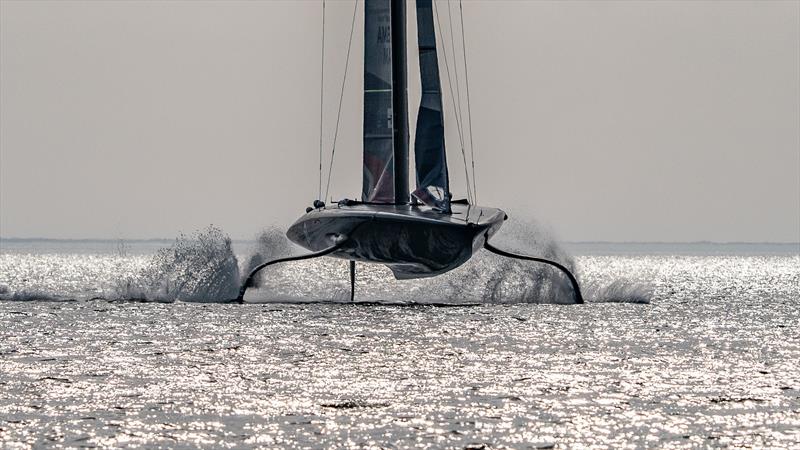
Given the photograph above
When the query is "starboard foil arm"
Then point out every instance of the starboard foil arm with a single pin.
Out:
(249, 281)
(575, 287)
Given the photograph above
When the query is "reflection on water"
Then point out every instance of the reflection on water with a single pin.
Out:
(710, 361)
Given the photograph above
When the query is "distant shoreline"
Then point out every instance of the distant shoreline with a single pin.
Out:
(170, 240)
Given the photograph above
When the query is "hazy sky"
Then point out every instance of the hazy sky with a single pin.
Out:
(667, 121)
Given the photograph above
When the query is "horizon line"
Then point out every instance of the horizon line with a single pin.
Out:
(146, 240)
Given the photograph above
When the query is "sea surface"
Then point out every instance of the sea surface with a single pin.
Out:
(130, 344)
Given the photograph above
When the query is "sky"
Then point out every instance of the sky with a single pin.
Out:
(615, 121)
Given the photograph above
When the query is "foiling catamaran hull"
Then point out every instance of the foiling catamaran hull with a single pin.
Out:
(413, 241)
(389, 227)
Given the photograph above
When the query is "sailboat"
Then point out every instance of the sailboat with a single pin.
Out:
(416, 234)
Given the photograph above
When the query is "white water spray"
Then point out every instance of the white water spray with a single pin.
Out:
(198, 267)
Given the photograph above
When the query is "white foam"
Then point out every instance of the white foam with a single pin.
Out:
(619, 290)
(29, 295)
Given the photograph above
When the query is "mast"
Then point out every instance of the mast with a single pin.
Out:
(399, 100)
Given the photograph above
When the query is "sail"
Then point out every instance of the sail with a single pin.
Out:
(378, 181)
(433, 187)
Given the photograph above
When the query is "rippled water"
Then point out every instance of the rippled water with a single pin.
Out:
(711, 360)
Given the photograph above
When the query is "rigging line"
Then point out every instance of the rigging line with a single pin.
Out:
(341, 97)
(321, 100)
(469, 108)
(455, 62)
(452, 97)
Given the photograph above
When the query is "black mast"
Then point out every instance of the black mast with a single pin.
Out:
(400, 100)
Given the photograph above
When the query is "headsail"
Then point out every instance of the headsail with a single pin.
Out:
(378, 184)
(433, 187)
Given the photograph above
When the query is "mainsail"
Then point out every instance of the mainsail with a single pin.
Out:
(433, 186)
(378, 185)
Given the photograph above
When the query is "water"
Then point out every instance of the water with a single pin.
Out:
(678, 346)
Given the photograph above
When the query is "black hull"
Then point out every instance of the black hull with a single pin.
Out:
(414, 242)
